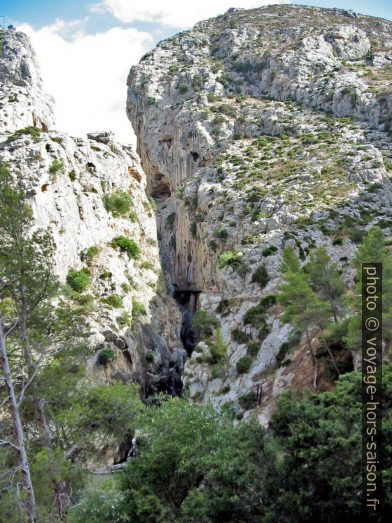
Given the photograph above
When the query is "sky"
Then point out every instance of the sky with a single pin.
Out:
(86, 48)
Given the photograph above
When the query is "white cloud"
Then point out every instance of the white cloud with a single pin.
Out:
(87, 74)
(176, 13)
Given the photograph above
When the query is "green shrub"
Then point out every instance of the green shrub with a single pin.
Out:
(79, 281)
(253, 348)
(106, 356)
(56, 166)
(72, 176)
(221, 233)
(34, 132)
(248, 401)
(218, 348)
(375, 187)
(212, 98)
(232, 258)
(243, 364)
(270, 250)
(261, 276)
(138, 309)
(127, 245)
(240, 336)
(90, 253)
(255, 316)
(151, 100)
(356, 235)
(124, 320)
(203, 325)
(113, 300)
(117, 203)
(173, 69)
(284, 348)
(170, 220)
(182, 88)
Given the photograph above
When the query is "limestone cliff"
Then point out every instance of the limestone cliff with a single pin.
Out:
(73, 186)
(259, 130)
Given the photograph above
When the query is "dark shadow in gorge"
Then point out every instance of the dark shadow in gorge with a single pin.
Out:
(187, 301)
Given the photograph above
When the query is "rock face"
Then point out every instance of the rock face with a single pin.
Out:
(87, 193)
(22, 101)
(259, 130)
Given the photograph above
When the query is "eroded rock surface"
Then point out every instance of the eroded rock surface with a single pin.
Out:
(259, 130)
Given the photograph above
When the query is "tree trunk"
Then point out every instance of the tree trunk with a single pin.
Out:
(61, 498)
(329, 351)
(18, 428)
(313, 359)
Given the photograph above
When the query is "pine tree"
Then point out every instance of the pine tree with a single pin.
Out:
(33, 325)
(372, 250)
(325, 280)
(290, 261)
(14, 215)
(302, 308)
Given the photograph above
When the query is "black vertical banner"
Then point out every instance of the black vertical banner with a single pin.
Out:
(372, 492)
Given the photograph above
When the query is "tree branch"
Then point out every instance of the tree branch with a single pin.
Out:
(6, 443)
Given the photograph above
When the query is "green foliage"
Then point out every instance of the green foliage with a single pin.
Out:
(34, 132)
(42, 468)
(106, 356)
(57, 166)
(240, 336)
(104, 410)
(114, 301)
(321, 437)
(90, 253)
(197, 447)
(151, 100)
(118, 203)
(230, 258)
(170, 220)
(253, 348)
(284, 348)
(127, 245)
(371, 250)
(325, 280)
(203, 325)
(270, 250)
(173, 69)
(256, 316)
(182, 88)
(138, 310)
(221, 232)
(101, 503)
(261, 276)
(248, 401)
(302, 306)
(79, 281)
(218, 348)
(290, 262)
(212, 98)
(244, 364)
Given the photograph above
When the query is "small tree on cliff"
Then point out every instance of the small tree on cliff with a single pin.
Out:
(372, 250)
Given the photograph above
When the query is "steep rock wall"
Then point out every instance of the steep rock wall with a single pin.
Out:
(69, 181)
(260, 130)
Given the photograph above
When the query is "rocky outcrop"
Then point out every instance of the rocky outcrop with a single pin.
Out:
(259, 130)
(22, 101)
(87, 193)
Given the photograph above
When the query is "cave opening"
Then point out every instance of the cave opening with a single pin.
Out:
(160, 189)
(187, 301)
